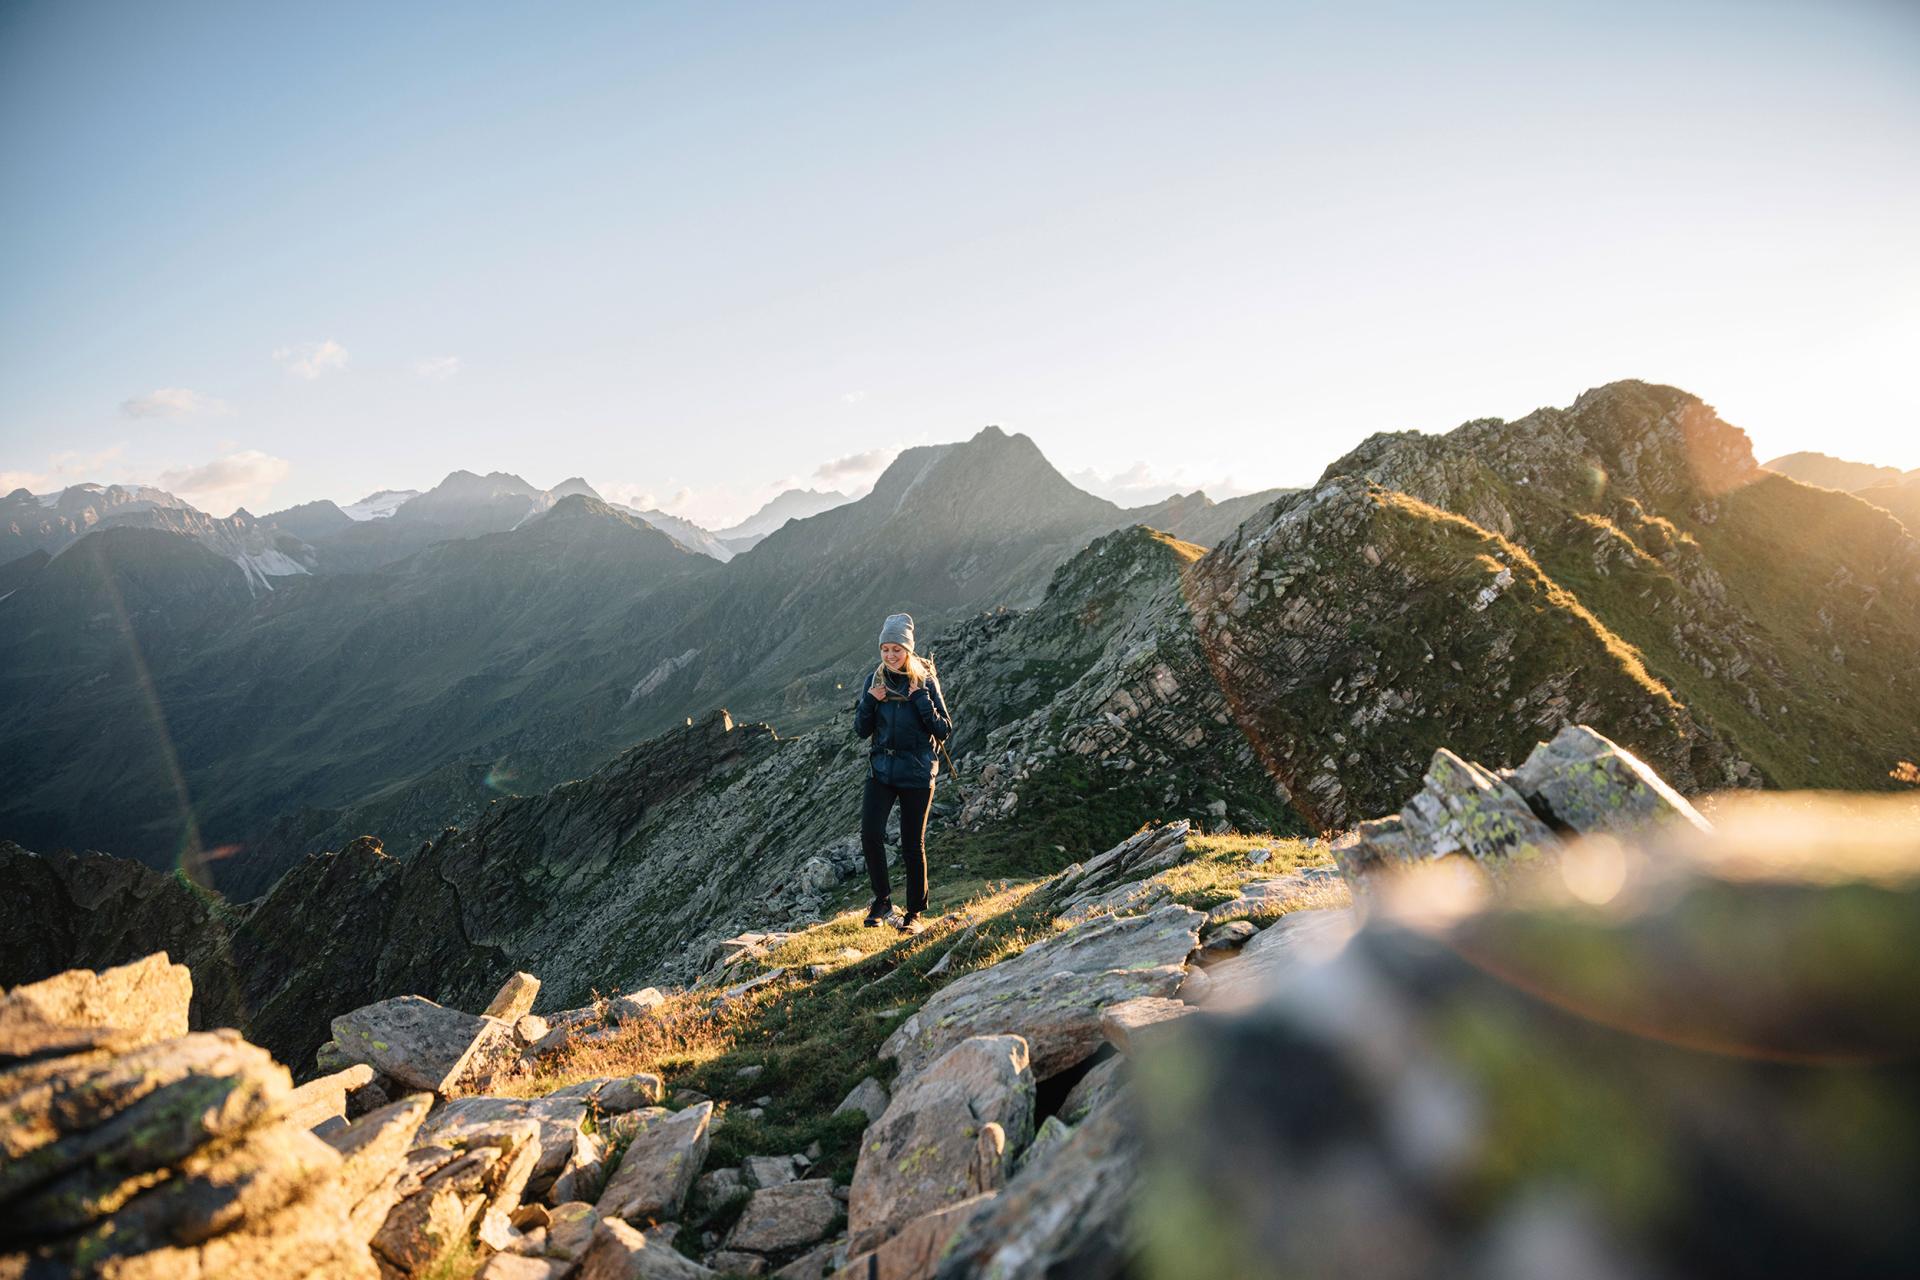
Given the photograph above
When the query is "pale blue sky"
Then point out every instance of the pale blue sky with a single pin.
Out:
(695, 251)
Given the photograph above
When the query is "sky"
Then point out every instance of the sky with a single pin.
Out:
(701, 252)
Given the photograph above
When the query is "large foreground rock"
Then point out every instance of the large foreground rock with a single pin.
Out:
(422, 1044)
(1052, 993)
(659, 1167)
(173, 1158)
(1701, 1064)
(924, 1152)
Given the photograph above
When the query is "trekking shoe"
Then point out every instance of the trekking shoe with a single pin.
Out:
(877, 913)
(911, 923)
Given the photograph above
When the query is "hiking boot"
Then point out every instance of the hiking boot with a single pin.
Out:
(911, 923)
(877, 913)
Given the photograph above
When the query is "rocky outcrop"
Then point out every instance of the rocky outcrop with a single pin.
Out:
(1495, 825)
(1113, 880)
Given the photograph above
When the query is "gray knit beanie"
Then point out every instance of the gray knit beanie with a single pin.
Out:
(898, 629)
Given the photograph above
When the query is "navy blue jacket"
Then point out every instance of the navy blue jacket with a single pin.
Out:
(903, 730)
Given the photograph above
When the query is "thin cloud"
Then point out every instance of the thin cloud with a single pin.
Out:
(243, 479)
(855, 469)
(69, 466)
(310, 360)
(437, 368)
(854, 397)
(171, 402)
(1142, 483)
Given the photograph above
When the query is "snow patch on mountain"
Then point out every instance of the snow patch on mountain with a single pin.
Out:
(380, 505)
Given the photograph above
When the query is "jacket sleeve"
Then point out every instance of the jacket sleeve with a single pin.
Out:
(865, 707)
(932, 709)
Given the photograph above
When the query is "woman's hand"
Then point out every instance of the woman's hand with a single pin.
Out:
(878, 689)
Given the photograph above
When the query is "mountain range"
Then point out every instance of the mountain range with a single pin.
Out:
(1888, 488)
(484, 637)
(530, 719)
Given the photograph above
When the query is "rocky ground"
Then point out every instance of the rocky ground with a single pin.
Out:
(1548, 1019)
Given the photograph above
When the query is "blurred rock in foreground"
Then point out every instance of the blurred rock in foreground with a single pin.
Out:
(1688, 1052)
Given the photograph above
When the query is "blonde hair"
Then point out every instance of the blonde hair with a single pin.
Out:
(918, 669)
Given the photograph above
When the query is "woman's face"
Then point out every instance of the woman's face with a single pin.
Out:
(894, 655)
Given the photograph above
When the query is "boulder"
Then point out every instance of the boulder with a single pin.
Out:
(514, 999)
(1065, 1213)
(768, 1171)
(733, 1262)
(716, 1187)
(1222, 941)
(619, 1252)
(570, 1229)
(1589, 783)
(530, 1028)
(788, 1216)
(132, 1155)
(644, 1003)
(914, 1251)
(372, 1151)
(659, 1167)
(1113, 879)
(1052, 993)
(869, 1097)
(1306, 887)
(465, 1121)
(145, 1001)
(629, 1093)
(1093, 1089)
(439, 1215)
(925, 1151)
(1052, 1132)
(325, 1098)
(424, 1045)
(1463, 812)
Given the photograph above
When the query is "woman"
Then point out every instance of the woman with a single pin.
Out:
(902, 711)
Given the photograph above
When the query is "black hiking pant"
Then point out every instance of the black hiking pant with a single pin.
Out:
(874, 808)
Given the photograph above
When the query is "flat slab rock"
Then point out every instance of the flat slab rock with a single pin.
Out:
(786, 1216)
(1052, 993)
(423, 1044)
